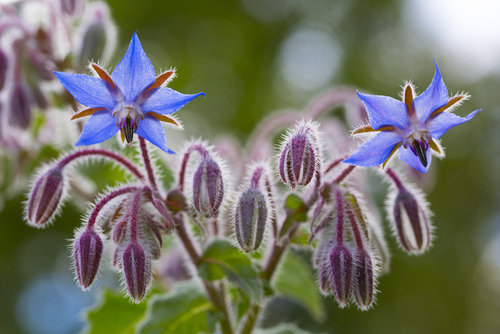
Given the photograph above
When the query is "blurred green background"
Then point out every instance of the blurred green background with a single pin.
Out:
(253, 57)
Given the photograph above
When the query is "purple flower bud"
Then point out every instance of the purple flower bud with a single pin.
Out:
(321, 261)
(208, 187)
(176, 201)
(411, 223)
(363, 279)
(300, 155)
(3, 68)
(20, 106)
(45, 198)
(250, 220)
(87, 251)
(137, 270)
(341, 274)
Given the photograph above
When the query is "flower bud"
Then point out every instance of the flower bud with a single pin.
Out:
(45, 198)
(137, 270)
(250, 219)
(176, 201)
(299, 158)
(87, 250)
(363, 279)
(411, 223)
(208, 187)
(341, 274)
(322, 263)
(20, 106)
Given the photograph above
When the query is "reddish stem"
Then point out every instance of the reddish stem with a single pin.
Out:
(102, 153)
(105, 200)
(147, 164)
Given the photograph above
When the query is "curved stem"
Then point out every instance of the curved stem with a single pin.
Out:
(182, 172)
(105, 200)
(266, 128)
(332, 98)
(102, 153)
(147, 164)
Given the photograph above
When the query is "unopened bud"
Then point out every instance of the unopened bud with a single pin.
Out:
(250, 220)
(20, 106)
(341, 274)
(176, 201)
(363, 279)
(300, 158)
(411, 222)
(45, 198)
(3, 68)
(208, 187)
(322, 263)
(137, 270)
(87, 251)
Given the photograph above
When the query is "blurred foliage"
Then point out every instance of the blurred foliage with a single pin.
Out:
(232, 50)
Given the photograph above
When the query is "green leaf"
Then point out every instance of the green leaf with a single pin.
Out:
(295, 280)
(221, 259)
(115, 314)
(296, 211)
(282, 329)
(185, 309)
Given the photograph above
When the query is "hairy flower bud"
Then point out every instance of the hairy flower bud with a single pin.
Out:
(300, 155)
(363, 279)
(137, 270)
(250, 219)
(208, 187)
(45, 198)
(341, 274)
(20, 106)
(87, 250)
(410, 222)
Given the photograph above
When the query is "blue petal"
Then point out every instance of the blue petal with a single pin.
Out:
(166, 101)
(89, 91)
(375, 151)
(444, 121)
(134, 72)
(100, 127)
(385, 111)
(406, 155)
(151, 129)
(434, 97)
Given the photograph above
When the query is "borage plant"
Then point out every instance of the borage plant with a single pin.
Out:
(238, 241)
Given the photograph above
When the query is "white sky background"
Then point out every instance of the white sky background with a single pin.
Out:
(467, 32)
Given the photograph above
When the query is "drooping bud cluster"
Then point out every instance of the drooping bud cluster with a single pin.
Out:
(300, 155)
(346, 266)
(409, 216)
(251, 211)
(46, 197)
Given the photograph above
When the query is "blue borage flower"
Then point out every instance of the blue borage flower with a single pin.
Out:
(131, 100)
(413, 126)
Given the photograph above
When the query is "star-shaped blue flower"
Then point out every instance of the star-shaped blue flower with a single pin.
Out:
(131, 100)
(413, 126)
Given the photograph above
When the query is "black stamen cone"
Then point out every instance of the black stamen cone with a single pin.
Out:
(419, 147)
(128, 130)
